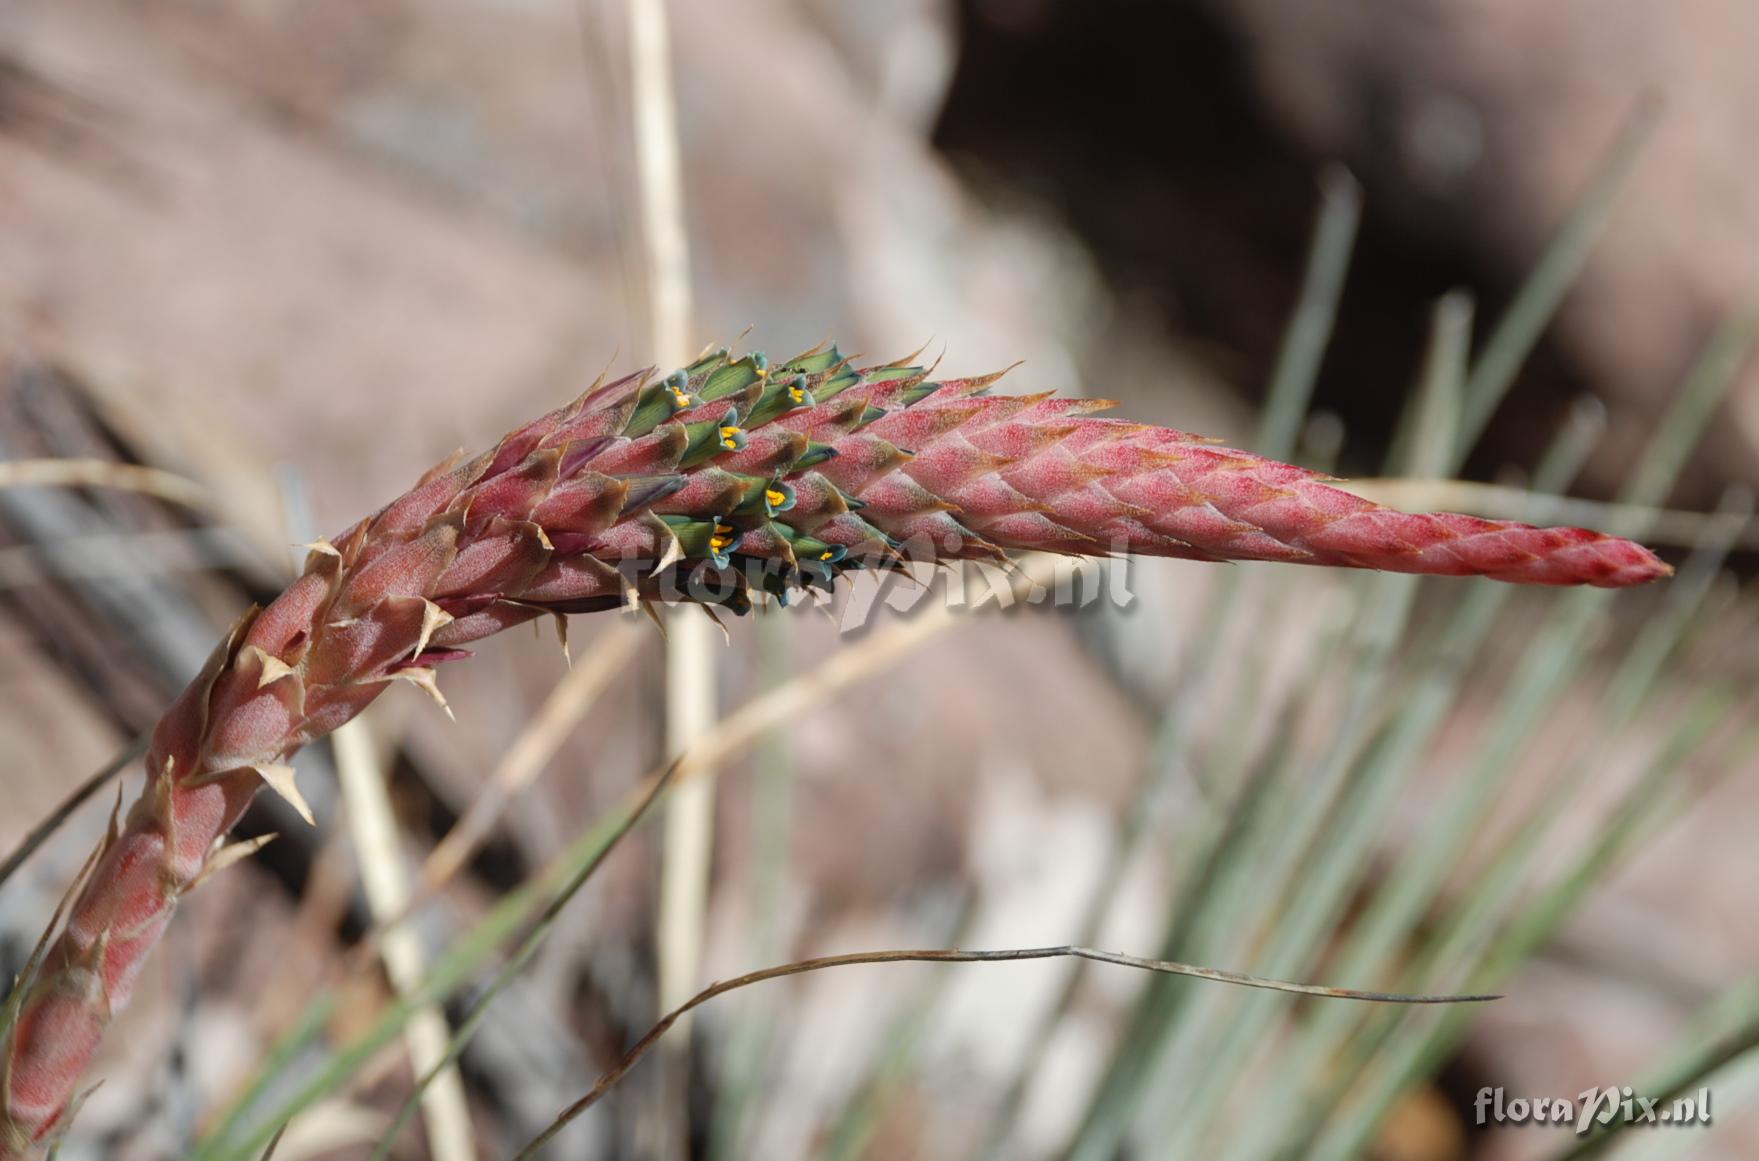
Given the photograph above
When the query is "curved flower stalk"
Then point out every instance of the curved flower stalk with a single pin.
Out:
(727, 476)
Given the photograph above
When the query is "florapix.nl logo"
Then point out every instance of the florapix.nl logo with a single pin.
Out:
(1592, 1107)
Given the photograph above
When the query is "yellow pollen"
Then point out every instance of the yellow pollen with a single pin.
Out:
(680, 398)
(797, 393)
(730, 438)
(826, 554)
(776, 499)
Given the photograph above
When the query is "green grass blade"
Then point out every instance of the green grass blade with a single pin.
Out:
(1724, 1034)
(1556, 655)
(863, 1114)
(1265, 854)
(1537, 301)
(1707, 384)
(528, 947)
(1334, 870)
(1310, 326)
(743, 1069)
(1374, 945)
(1297, 856)
(1650, 799)
(541, 898)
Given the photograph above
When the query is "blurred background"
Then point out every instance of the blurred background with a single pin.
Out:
(298, 252)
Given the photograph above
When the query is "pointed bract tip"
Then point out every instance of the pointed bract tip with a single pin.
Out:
(280, 778)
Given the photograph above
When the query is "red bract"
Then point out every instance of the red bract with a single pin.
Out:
(730, 472)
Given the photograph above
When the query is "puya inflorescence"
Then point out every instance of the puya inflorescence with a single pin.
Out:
(726, 479)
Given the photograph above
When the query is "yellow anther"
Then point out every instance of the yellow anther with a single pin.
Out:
(680, 397)
(826, 554)
(730, 438)
(776, 498)
(796, 392)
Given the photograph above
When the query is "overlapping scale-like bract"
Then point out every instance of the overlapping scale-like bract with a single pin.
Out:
(731, 473)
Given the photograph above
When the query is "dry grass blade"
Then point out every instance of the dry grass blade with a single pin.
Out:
(532, 908)
(955, 955)
(648, 794)
(731, 735)
(40, 833)
(1504, 502)
(748, 724)
(70, 473)
(688, 846)
(536, 745)
(274, 1143)
(782, 704)
(378, 847)
(741, 1077)
(107, 556)
(15, 998)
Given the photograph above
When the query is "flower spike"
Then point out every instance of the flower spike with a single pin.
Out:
(723, 477)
